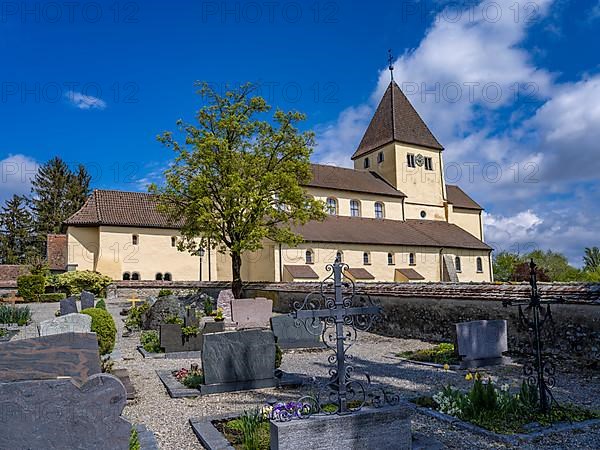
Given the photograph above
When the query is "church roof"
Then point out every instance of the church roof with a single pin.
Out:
(460, 199)
(419, 233)
(395, 120)
(331, 177)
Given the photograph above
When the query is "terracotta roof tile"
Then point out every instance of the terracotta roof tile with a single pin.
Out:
(460, 199)
(395, 120)
(300, 271)
(358, 273)
(411, 274)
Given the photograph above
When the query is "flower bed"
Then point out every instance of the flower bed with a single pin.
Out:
(191, 378)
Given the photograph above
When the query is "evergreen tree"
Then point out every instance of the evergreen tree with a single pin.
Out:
(16, 222)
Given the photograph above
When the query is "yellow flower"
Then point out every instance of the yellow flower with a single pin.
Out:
(477, 376)
(446, 367)
(469, 376)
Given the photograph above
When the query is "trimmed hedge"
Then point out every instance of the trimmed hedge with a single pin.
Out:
(104, 327)
(30, 287)
(52, 297)
(73, 283)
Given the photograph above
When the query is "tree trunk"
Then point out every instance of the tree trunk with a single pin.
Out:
(236, 270)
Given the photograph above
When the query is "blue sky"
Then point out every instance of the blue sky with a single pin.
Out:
(511, 89)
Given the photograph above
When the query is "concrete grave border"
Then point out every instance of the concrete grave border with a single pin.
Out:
(171, 355)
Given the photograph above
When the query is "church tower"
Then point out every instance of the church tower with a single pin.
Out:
(399, 147)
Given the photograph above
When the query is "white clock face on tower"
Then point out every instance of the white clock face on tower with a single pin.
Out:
(419, 159)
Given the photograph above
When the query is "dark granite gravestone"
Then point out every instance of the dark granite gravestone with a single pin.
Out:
(172, 339)
(238, 360)
(58, 414)
(481, 342)
(88, 300)
(60, 355)
(306, 335)
(68, 306)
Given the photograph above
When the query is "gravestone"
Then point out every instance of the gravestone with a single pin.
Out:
(72, 355)
(88, 300)
(68, 306)
(306, 335)
(238, 360)
(481, 342)
(58, 414)
(252, 313)
(224, 302)
(71, 323)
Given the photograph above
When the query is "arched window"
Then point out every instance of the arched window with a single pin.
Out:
(390, 259)
(339, 256)
(380, 157)
(479, 265)
(158, 277)
(379, 213)
(411, 259)
(126, 276)
(366, 258)
(367, 163)
(309, 257)
(354, 208)
(457, 264)
(167, 277)
(135, 276)
(173, 241)
(332, 207)
(135, 239)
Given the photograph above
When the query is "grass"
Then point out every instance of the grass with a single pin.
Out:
(20, 315)
(440, 354)
(232, 429)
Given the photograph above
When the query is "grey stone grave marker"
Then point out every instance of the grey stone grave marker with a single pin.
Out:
(252, 313)
(306, 335)
(224, 302)
(71, 323)
(482, 342)
(88, 300)
(68, 306)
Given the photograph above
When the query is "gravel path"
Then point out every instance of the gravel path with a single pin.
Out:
(168, 418)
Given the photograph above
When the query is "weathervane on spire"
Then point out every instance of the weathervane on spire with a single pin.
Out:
(391, 66)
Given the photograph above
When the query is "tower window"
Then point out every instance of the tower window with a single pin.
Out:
(332, 206)
(173, 241)
(457, 264)
(479, 265)
(428, 163)
(135, 239)
(411, 259)
(390, 259)
(379, 214)
(366, 258)
(410, 160)
(367, 163)
(380, 157)
(354, 208)
(309, 257)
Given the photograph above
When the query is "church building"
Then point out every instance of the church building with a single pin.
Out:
(391, 218)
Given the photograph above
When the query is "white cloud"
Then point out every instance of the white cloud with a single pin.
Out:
(86, 102)
(594, 12)
(16, 171)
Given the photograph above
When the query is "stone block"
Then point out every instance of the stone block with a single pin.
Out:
(68, 306)
(252, 313)
(224, 302)
(58, 414)
(301, 334)
(60, 355)
(481, 341)
(386, 428)
(238, 356)
(71, 323)
(88, 300)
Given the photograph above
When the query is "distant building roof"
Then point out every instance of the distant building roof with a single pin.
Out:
(359, 230)
(395, 120)
(460, 199)
(301, 272)
(339, 178)
(121, 208)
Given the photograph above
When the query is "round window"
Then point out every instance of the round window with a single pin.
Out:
(423, 214)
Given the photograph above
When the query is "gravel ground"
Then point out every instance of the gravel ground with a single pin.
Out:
(168, 418)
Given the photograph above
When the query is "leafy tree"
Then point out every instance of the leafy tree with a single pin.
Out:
(57, 193)
(504, 265)
(237, 180)
(591, 259)
(554, 264)
(16, 223)
(522, 272)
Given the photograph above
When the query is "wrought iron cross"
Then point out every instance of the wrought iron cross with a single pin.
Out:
(540, 372)
(339, 311)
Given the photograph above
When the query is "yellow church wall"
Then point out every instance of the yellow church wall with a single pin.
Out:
(413, 211)
(386, 168)
(260, 265)
(468, 262)
(392, 205)
(468, 219)
(420, 185)
(82, 247)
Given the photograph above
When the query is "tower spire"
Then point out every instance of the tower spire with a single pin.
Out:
(391, 65)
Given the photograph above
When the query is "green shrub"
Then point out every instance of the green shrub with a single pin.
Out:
(134, 440)
(73, 283)
(52, 297)
(165, 293)
(278, 356)
(104, 327)
(150, 341)
(30, 287)
(174, 320)
(134, 316)
(20, 315)
(101, 304)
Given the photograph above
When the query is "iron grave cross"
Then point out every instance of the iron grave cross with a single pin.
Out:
(338, 311)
